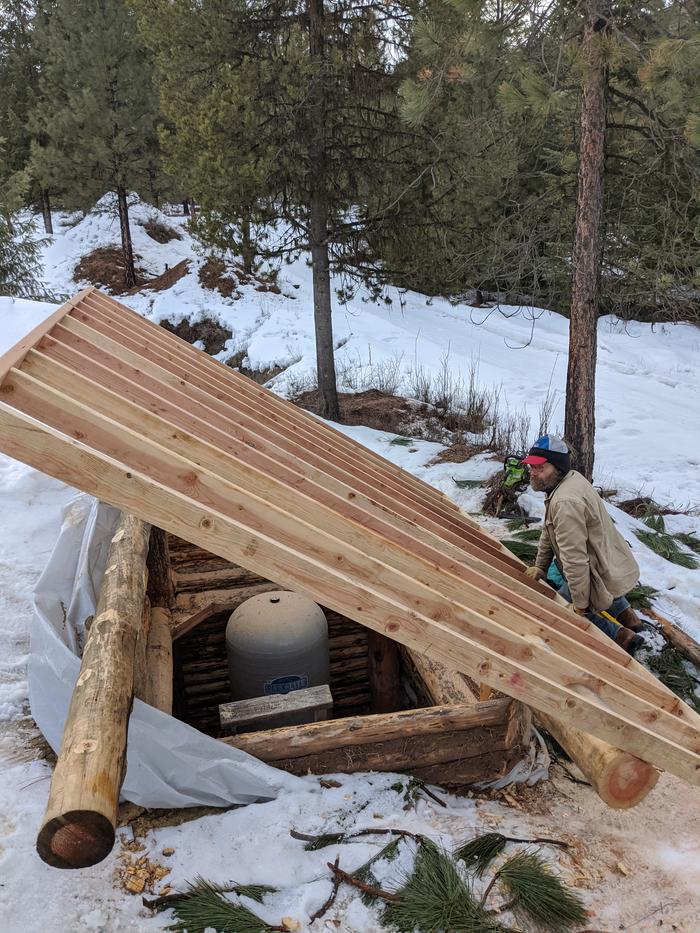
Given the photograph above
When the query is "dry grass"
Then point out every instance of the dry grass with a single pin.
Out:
(104, 267)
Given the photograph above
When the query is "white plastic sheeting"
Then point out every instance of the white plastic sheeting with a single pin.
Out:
(169, 764)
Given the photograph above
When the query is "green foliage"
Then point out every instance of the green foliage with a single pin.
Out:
(539, 895)
(401, 441)
(467, 483)
(671, 670)
(19, 248)
(689, 540)
(525, 550)
(529, 534)
(435, 898)
(667, 547)
(203, 907)
(494, 173)
(95, 119)
(478, 853)
(640, 596)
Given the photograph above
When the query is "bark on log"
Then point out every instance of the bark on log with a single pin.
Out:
(161, 591)
(384, 672)
(159, 661)
(421, 725)
(78, 826)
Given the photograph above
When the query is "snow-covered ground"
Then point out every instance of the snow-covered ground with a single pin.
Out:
(648, 443)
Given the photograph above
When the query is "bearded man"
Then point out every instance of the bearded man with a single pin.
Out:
(594, 559)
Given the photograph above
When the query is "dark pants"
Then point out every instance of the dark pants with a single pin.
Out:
(605, 625)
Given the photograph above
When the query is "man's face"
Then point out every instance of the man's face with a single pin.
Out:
(543, 477)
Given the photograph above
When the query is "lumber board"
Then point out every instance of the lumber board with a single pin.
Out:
(289, 412)
(238, 714)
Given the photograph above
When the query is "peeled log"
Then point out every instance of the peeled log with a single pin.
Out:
(619, 779)
(81, 814)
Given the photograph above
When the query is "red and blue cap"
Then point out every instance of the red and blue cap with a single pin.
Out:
(549, 449)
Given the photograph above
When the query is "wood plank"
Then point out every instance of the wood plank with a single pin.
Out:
(258, 711)
(144, 372)
(290, 413)
(233, 398)
(14, 356)
(404, 725)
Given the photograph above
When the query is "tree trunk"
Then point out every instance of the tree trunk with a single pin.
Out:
(186, 207)
(46, 211)
(81, 813)
(247, 247)
(318, 217)
(127, 251)
(586, 256)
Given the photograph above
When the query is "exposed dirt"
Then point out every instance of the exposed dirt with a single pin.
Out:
(160, 232)
(641, 506)
(213, 275)
(225, 278)
(210, 332)
(459, 451)
(260, 376)
(372, 408)
(104, 267)
(166, 279)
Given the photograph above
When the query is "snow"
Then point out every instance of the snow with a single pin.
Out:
(647, 443)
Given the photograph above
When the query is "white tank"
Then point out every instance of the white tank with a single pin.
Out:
(277, 642)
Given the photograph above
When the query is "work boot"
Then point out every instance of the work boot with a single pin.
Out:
(629, 618)
(628, 640)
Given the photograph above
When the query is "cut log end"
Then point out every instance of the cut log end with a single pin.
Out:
(626, 781)
(77, 839)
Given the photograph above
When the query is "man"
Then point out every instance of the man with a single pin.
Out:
(593, 557)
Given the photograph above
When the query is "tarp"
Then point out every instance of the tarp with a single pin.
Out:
(169, 764)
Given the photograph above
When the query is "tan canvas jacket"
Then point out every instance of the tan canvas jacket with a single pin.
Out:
(592, 554)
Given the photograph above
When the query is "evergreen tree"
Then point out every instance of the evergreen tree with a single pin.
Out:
(18, 87)
(19, 263)
(281, 112)
(97, 109)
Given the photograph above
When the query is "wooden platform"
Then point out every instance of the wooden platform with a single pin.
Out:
(110, 403)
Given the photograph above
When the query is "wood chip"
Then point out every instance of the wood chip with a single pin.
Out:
(167, 852)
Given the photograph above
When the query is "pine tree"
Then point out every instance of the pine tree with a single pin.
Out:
(19, 249)
(97, 109)
(19, 76)
(282, 112)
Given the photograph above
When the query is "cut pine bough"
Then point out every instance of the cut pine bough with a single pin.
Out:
(86, 399)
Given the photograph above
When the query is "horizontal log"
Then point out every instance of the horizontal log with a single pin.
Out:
(226, 578)
(403, 726)
(490, 766)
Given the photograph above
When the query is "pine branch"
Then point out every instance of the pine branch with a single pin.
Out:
(539, 894)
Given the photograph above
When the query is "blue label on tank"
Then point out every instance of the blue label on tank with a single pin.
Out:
(286, 684)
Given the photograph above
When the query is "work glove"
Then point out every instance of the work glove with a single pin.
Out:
(534, 573)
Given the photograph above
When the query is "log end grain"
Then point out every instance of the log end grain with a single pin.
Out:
(625, 781)
(77, 839)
